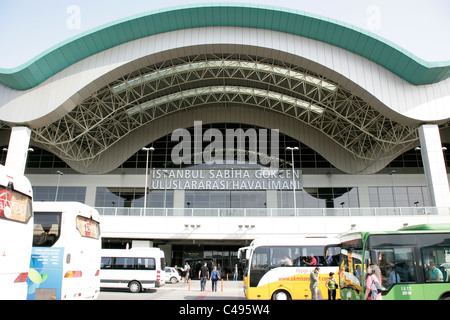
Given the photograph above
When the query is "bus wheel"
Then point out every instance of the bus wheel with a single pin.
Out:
(281, 295)
(134, 287)
(445, 297)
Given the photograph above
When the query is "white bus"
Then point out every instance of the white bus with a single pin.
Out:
(16, 229)
(136, 269)
(279, 268)
(65, 261)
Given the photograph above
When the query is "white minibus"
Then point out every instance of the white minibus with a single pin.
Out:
(136, 269)
(65, 261)
(16, 229)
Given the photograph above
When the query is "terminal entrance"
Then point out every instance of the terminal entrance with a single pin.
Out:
(222, 254)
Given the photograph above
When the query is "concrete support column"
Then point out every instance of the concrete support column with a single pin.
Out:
(178, 199)
(91, 192)
(16, 158)
(363, 196)
(434, 165)
(271, 199)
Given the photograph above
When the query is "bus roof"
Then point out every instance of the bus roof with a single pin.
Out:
(294, 241)
(420, 228)
(69, 207)
(428, 227)
(19, 181)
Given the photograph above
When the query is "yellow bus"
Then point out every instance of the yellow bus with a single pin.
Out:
(280, 268)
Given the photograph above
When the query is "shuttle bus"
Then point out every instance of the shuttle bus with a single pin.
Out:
(16, 231)
(136, 269)
(412, 263)
(278, 268)
(65, 260)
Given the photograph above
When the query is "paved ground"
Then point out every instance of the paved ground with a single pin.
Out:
(231, 290)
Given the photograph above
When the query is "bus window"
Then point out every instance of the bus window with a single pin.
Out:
(124, 263)
(436, 261)
(47, 228)
(331, 256)
(106, 263)
(396, 266)
(146, 264)
(281, 256)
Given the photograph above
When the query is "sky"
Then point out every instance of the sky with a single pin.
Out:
(28, 27)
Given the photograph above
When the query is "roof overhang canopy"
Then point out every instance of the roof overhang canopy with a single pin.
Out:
(366, 44)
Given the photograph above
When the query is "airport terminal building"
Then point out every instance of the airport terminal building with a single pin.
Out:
(200, 128)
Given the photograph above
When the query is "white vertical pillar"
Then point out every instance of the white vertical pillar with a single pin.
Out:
(271, 199)
(363, 196)
(16, 158)
(178, 199)
(434, 165)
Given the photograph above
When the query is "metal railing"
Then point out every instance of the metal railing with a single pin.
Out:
(270, 212)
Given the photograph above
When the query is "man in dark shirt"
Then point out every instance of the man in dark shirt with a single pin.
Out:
(203, 274)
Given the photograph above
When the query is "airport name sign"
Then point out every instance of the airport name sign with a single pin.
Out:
(225, 179)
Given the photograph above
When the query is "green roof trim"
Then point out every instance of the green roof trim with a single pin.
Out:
(371, 46)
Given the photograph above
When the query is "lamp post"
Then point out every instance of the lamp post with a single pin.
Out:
(293, 177)
(60, 173)
(391, 173)
(146, 175)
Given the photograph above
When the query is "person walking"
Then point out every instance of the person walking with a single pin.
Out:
(203, 275)
(187, 269)
(235, 274)
(373, 286)
(215, 275)
(314, 283)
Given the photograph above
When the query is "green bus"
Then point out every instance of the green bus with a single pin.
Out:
(413, 263)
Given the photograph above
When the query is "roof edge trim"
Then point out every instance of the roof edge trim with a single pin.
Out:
(378, 49)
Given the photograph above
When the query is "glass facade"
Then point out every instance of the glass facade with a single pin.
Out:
(132, 198)
(225, 199)
(399, 197)
(64, 194)
(319, 198)
(305, 159)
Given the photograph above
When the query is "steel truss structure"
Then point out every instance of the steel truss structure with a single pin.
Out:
(180, 84)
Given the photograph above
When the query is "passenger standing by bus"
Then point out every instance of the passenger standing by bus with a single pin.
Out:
(373, 286)
(314, 283)
(203, 275)
(331, 286)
